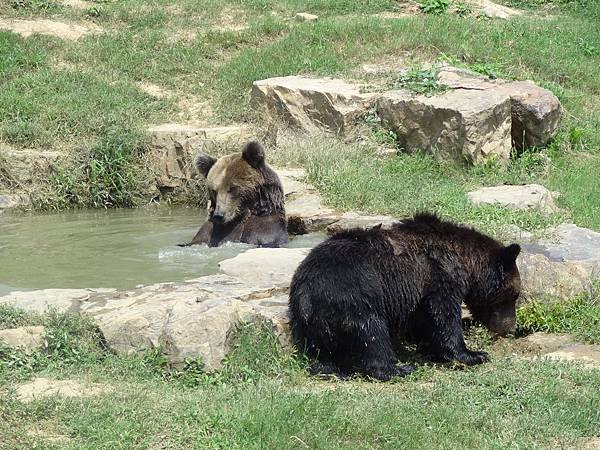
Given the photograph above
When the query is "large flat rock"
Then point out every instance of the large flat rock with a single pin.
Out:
(40, 301)
(265, 266)
(188, 320)
(543, 279)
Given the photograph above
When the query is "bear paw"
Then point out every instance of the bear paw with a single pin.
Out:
(386, 374)
(472, 358)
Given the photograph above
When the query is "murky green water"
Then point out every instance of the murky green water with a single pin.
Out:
(118, 248)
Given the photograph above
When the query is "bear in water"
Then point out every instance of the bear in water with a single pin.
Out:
(360, 291)
(246, 201)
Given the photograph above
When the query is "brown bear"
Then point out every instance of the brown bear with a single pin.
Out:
(246, 201)
(361, 291)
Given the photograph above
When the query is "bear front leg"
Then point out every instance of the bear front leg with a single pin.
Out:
(376, 355)
(448, 342)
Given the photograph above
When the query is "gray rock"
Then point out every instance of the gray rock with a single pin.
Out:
(573, 244)
(311, 105)
(272, 267)
(40, 301)
(464, 125)
(188, 320)
(274, 312)
(535, 111)
(26, 338)
(531, 197)
(536, 114)
(352, 220)
(545, 280)
(561, 266)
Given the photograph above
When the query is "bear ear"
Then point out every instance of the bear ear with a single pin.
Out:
(203, 164)
(254, 154)
(508, 255)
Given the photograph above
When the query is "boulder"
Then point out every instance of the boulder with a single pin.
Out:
(545, 280)
(562, 265)
(311, 105)
(464, 125)
(531, 197)
(535, 111)
(573, 244)
(536, 114)
(274, 312)
(265, 266)
(187, 320)
(26, 338)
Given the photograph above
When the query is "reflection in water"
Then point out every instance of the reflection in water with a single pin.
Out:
(116, 248)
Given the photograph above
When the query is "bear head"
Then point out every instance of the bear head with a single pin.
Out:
(493, 299)
(240, 184)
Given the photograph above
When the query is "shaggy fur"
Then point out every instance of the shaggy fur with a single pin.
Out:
(246, 201)
(360, 291)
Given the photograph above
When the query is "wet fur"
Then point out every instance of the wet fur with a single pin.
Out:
(360, 291)
(256, 205)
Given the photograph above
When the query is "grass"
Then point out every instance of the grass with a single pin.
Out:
(353, 177)
(263, 399)
(579, 316)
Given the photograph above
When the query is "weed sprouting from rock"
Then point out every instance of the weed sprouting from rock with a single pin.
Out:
(420, 81)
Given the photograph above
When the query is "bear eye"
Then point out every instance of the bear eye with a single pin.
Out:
(234, 190)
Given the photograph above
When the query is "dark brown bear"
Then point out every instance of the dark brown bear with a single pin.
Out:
(246, 201)
(360, 291)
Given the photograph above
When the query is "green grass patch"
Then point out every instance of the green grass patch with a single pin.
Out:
(579, 317)
(353, 177)
(105, 176)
